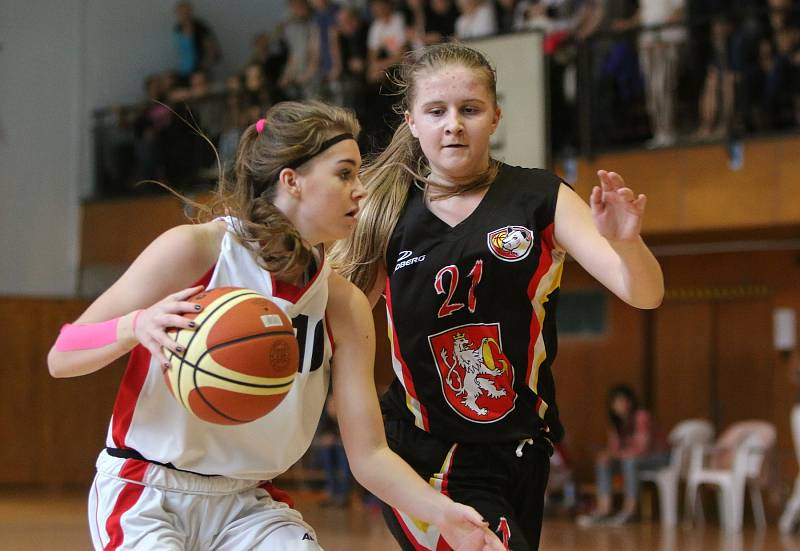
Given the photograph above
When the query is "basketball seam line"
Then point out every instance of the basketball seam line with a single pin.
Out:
(191, 339)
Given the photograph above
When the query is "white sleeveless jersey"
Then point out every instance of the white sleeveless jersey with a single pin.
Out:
(149, 420)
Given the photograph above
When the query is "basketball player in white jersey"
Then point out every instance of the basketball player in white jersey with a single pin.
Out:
(168, 480)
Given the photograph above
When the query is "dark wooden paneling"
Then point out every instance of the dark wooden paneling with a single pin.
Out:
(683, 349)
(51, 429)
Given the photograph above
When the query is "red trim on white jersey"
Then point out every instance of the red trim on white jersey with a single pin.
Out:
(132, 469)
(293, 293)
(132, 383)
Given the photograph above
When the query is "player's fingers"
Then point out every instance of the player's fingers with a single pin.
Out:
(169, 344)
(641, 202)
(173, 320)
(596, 198)
(626, 193)
(186, 293)
(158, 354)
(616, 180)
(182, 307)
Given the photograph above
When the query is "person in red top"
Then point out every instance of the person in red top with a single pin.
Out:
(634, 444)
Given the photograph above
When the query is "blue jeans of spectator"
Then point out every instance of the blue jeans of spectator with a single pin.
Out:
(630, 467)
(337, 471)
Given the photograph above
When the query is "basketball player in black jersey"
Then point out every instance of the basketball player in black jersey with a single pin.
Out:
(468, 252)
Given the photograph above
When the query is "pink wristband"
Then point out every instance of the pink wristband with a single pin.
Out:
(85, 336)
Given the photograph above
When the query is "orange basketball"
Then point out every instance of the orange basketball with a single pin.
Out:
(240, 360)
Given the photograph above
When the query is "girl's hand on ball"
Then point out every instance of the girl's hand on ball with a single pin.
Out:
(151, 325)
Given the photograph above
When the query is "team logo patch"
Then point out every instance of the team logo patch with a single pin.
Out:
(510, 243)
(477, 379)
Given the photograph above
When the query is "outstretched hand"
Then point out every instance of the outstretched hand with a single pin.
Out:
(151, 325)
(616, 210)
(465, 530)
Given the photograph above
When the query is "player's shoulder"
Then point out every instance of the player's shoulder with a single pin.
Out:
(344, 298)
(195, 241)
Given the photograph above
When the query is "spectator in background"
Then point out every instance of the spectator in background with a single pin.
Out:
(256, 93)
(350, 63)
(271, 53)
(777, 85)
(234, 122)
(299, 70)
(386, 39)
(386, 43)
(477, 19)
(634, 444)
(413, 12)
(616, 79)
(717, 96)
(659, 57)
(150, 128)
(440, 21)
(197, 46)
(323, 46)
(504, 12)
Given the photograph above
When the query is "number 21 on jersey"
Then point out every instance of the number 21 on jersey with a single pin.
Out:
(448, 306)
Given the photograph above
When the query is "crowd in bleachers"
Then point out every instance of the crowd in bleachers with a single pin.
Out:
(651, 71)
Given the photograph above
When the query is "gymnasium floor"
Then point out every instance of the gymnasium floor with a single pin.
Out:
(56, 522)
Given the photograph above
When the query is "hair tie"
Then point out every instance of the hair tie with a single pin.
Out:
(260, 125)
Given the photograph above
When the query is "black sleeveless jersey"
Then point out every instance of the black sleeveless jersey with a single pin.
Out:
(471, 312)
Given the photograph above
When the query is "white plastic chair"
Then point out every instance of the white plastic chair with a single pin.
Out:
(682, 438)
(792, 510)
(736, 465)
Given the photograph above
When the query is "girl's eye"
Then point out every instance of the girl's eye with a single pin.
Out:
(436, 112)
(346, 175)
(470, 110)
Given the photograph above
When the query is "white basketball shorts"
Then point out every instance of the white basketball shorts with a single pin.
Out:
(135, 504)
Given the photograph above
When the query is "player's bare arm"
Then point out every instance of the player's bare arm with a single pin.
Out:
(145, 284)
(608, 244)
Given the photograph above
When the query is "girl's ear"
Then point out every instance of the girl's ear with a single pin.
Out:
(498, 114)
(410, 122)
(289, 181)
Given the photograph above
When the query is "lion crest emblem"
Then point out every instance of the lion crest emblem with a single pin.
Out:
(477, 378)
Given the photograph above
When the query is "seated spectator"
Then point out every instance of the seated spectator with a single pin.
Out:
(197, 46)
(477, 19)
(634, 444)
